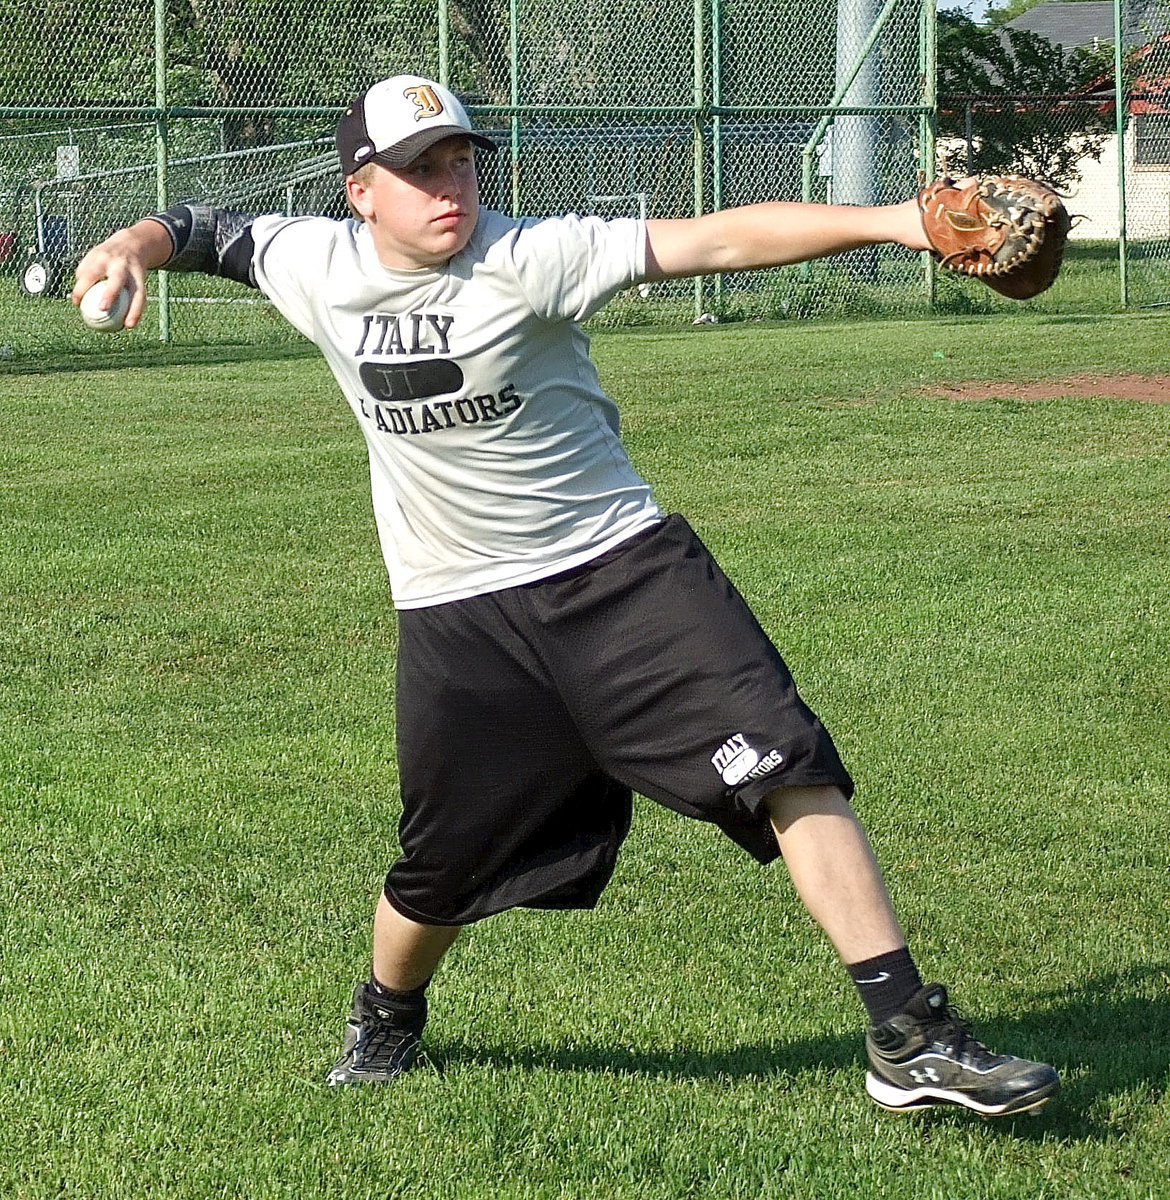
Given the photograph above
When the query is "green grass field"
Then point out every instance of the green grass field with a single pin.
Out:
(198, 790)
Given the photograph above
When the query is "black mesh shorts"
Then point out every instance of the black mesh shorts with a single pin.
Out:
(527, 717)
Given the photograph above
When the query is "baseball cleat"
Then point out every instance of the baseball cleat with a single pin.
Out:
(925, 1056)
(378, 1046)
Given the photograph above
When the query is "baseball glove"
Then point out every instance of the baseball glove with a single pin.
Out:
(1008, 231)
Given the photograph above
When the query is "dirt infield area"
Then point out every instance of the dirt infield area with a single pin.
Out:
(1153, 389)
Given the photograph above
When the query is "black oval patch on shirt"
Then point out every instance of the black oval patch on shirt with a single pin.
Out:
(411, 380)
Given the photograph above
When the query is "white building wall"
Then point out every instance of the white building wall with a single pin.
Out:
(1094, 199)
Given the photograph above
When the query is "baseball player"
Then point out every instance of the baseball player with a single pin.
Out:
(563, 641)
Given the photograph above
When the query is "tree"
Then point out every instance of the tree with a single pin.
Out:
(1012, 102)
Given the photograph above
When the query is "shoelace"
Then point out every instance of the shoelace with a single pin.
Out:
(953, 1030)
(383, 1040)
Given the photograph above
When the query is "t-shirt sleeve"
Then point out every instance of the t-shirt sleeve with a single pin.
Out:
(571, 266)
(291, 260)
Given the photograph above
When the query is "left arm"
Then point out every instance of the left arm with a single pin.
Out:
(773, 235)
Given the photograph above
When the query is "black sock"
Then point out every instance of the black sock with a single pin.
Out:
(886, 983)
(407, 1007)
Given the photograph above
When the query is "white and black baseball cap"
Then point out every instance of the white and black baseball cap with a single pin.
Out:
(395, 120)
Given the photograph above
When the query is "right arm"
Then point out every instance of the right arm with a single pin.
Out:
(124, 259)
(185, 238)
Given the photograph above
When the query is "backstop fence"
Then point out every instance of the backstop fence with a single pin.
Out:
(665, 108)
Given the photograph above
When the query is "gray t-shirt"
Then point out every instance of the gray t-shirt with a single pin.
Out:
(495, 456)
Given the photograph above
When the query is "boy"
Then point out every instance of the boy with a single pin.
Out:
(563, 642)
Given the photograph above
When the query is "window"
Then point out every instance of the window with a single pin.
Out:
(1152, 139)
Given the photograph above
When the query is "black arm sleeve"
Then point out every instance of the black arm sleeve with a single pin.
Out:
(215, 241)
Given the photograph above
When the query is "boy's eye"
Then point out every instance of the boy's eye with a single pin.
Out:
(427, 166)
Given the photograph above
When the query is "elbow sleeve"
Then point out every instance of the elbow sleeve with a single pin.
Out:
(215, 241)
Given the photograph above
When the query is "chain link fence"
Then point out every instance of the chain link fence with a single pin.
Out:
(109, 111)
(1120, 252)
(112, 110)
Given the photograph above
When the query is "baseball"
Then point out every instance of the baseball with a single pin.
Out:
(99, 313)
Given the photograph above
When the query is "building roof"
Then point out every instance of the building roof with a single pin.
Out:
(1073, 23)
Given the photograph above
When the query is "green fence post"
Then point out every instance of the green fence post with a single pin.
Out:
(928, 120)
(162, 186)
(514, 97)
(700, 103)
(1121, 94)
(717, 129)
(444, 43)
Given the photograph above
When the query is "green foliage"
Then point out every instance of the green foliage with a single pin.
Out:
(220, 52)
(996, 134)
(50, 58)
(481, 64)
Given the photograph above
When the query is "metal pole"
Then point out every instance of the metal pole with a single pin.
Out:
(514, 97)
(700, 103)
(845, 77)
(837, 102)
(39, 210)
(1121, 94)
(717, 127)
(928, 120)
(444, 43)
(854, 137)
(162, 184)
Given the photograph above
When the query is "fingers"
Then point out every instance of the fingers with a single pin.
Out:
(134, 313)
(115, 264)
(93, 268)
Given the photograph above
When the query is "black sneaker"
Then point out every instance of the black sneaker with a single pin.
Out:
(926, 1056)
(379, 1044)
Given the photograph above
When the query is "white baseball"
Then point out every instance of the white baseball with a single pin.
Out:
(102, 314)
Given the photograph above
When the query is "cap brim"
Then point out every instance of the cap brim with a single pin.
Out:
(407, 150)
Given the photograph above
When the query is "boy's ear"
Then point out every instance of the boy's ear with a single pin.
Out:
(358, 197)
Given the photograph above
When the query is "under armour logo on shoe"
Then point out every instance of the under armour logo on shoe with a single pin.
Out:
(925, 1075)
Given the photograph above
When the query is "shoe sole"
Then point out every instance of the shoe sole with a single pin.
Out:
(349, 1078)
(342, 1074)
(896, 1099)
(344, 1081)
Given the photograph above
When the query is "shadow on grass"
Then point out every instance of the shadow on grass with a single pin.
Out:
(1105, 1036)
(1110, 1039)
(53, 363)
(741, 1062)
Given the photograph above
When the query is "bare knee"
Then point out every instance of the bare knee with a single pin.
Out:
(788, 804)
